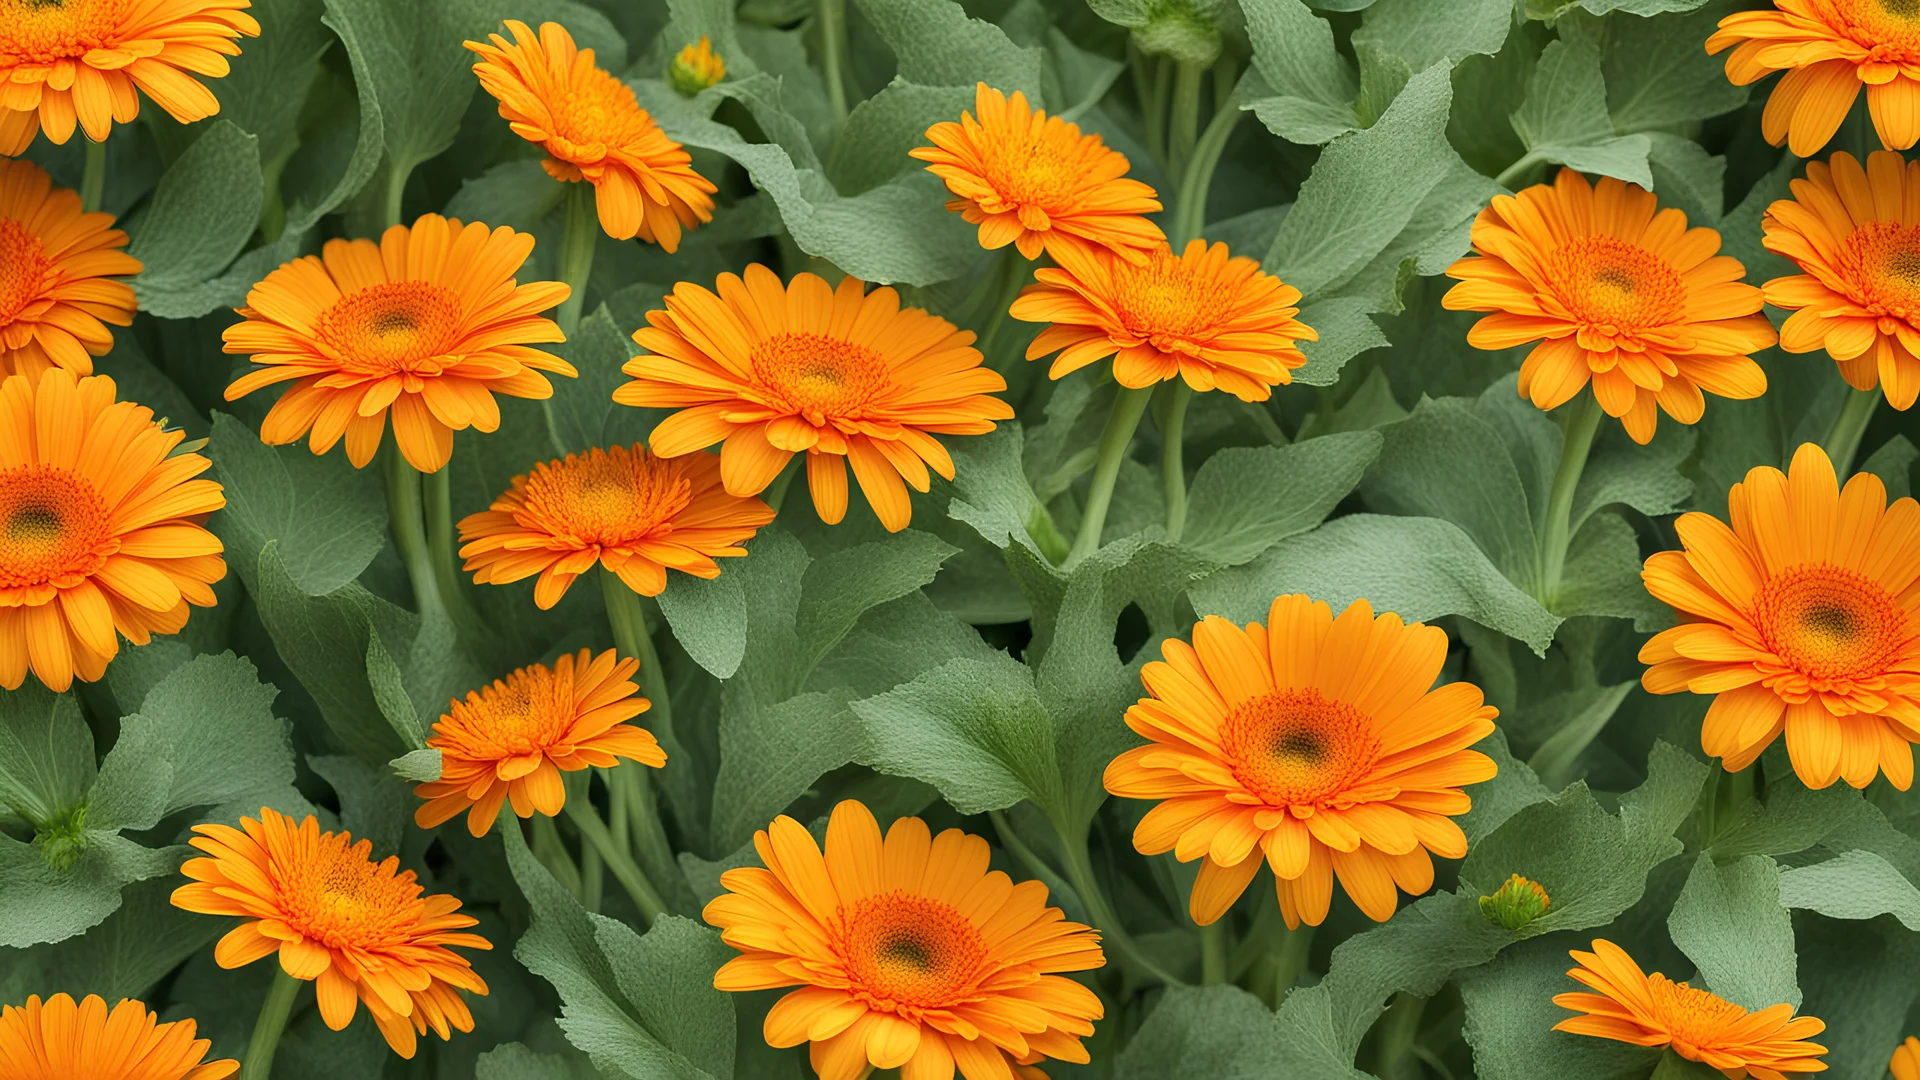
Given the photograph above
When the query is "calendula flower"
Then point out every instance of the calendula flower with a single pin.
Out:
(513, 739)
(908, 953)
(695, 68)
(360, 931)
(1800, 618)
(844, 375)
(1653, 1010)
(82, 61)
(104, 528)
(57, 276)
(429, 324)
(594, 130)
(1316, 745)
(1618, 293)
(1828, 49)
(60, 1040)
(1859, 295)
(1033, 181)
(1906, 1060)
(633, 512)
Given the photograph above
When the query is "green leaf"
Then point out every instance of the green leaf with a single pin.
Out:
(1565, 116)
(1219, 1032)
(1602, 576)
(1310, 86)
(1510, 1016)
(328, 519)
(46, 753)
(42, 903)
(512, 1061)
(709, 619)
(265, 86)
(375, 804)
(935, 43)
(1852, 885)
(1858, 977)
(1687, 177)
(1893, 464)
(339, 151)
(1446, 461)
(1730, 923)
(418, 766)
(1244, 500)
(517, 194)
(188, 234)
(1657, 74)
(1557, 757)
(1423, 34)
(582, 411)
(122, 957)
(844, 585)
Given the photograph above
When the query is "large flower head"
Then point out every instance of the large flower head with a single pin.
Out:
(1617, 292)
(909, 953)
(57, 276)
(594, 130)
(429, 324)
(513, 739)
(1033, 181)
(1653, 1010)
(59, 1039)
(633, 512)
(360, 931)
(104, 528)
(1829, 49)
(1799, 615)
(87, 62)
(844, 375)
(1316, 745)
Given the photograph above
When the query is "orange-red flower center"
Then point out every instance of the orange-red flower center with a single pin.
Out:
(1040, 172)
(1295, 747)
(1168, 303)
(42, 31)
(23, 269)
(1691, 1016)
(332, 893)
(526, 714)
(391, 328)
(1882, 261)
(1829, 623)
(54, 527)
(1888, 29)
(903, 950)
(595, 113)
(816, 376)
(607, 498)
(1616, 286)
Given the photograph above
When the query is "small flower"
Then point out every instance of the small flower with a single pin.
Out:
(1829, 49)
(59, 1040)
(59, 271)
(1906, 1060)
(1517, 902)
(695, 68)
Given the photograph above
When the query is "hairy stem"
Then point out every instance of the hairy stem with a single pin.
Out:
(1843, 442)
(273, 1020)
(645, 897)
(1578, 425)
(1114, 440)
(578, 236)
(94, 181)
(1173, 467)
(833, 48)
(1100, 909)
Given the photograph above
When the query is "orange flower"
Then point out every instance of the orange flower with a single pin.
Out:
(1652, 1010)
(1803, 618)
(428, 322)
(633, 512)
(1313, 744)
(59, 1040)
(1616, 293)
(57, 269)
(105, 528)
(1201, 316)
(1859, 297)
(593, 129)
(909, 953)
(1828, 48)
(842, 374)
(358, 930)
(1906, 1060)
(1034, 181)
(514, 738)
(82, 61)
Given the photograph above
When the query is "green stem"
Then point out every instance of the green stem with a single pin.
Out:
(1518, 169)
(1150, 79)
(833, 46)
(94, 181)
(630, 634)
(1578, 425)
(1100, 910)
(1213, 952)
(593, 878)
(645, 897)
(436, 491)
(1183, 121)
(396, 192)
(1290, 960)
(1015, 273)
(1190, 210)
(1398, 1030)
(404, 515)
(776, 494)
(1114, 440)
(1173, 468)
(553, 854)
(273, 1020)
(578, 235)
(1843, 442)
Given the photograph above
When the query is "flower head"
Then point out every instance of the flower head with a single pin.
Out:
(695, 68)
(1517, 902)
(1034, 181)
(845, 375)
(1316, 745)
(428, 323)
(1617, 293)
(909, 953)
(1801, 617)
(633, 512)
(104, 528)
(1653, 1010)
(60, 1040)
(87, 61)
(360, 931)
(514, 738)
(1906, 1060)
(594, 130)
(1829, 49)
(57, 276)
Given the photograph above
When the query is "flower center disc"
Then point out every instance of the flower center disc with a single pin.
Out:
(816, 376)
(1883, 257)
(1167, 303)
(1829, 624)
(42, 31)
(54, 527)
(605, 498)
(596, 109)
(331, 892)
(23, 268)
(906, 950)
(1692, 1016)
(1295, 747)
(1604, 281)
(1031, 171)
(393, 327)
(526, 715)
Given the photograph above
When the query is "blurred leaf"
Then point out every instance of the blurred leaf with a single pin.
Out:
(1657, 74)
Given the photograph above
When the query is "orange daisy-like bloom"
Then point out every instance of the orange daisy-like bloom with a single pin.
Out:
(1616, 292)
(57, 269)
(1201, 316)
(428, 322)
(514, 738)
(1313, 744)
(910, 954)
(61, 1040)
(1803, 618)
(633, 512)
(360, 931)
(1653, 1010)
(1906, 1060)
(104, 528)
(594, 130)
(1035, 182)
(1828, 48)
(844, 375)
(62, 63)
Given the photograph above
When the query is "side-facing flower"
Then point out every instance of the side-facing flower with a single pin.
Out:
(59, 1039)
(696, 68)
(1829, 49)
(58, 276)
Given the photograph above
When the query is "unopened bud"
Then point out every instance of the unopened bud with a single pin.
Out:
(696, 68)
(1516, 903)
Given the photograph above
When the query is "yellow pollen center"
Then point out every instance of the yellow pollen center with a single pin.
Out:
(1606, 282)
(598, 110)
(1041, 172)
(1691, 1016)
(1167, 303)
(1296, 747)
(526, 713)
(906, 952)
(391, 328)
(818, 377)
(1830, 624)
(54, 527)
(334, 894)
(1882, 260)
(23, 268)
(1888, 29)
(605, 498)
(42, 31)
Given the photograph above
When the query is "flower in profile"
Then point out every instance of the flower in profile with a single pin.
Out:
(695, 68)
(429, 324)
(1033, 181)
(1799, 618)
(909, 953)
(1858, 296)
(1617, 292)
(594, 130)
(60, 1040)
(845, 375)
(633, 512)
(1906, 1060)
(1316, 745)
(1517, 902)
(1653, 1010)
(86, 63)
(513, 739)
(104, 528)
(360, 931)
(58, 270)
(1828, 49)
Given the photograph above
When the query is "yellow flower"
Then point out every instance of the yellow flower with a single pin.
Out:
(696, 67)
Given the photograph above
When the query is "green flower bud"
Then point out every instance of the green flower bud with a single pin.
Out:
(1516, 903)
